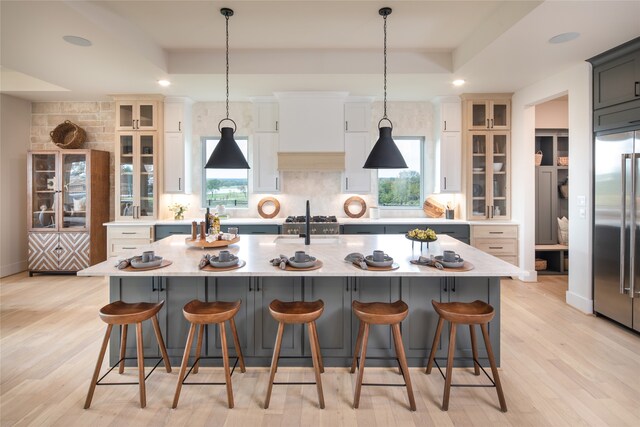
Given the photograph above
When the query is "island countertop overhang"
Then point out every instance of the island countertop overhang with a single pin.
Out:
(257, 250)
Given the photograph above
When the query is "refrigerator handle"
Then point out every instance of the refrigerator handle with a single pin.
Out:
(623, 226)
(632, 250)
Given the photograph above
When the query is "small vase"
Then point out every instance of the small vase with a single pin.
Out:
(178, 216)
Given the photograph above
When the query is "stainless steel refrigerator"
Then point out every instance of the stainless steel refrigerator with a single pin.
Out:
(616, 249)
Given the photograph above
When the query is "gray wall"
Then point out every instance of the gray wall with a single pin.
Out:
(15, 115)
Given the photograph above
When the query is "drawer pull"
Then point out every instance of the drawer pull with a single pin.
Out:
(129, 232)
(496, 232)
(496, 247)
(127, 247)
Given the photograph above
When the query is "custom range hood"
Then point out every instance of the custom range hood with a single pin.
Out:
(311, 131)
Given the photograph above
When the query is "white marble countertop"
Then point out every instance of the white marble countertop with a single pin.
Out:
(257, 250)
(347, 220)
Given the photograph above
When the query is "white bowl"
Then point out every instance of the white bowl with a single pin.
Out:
(497, 167)
(149, 168)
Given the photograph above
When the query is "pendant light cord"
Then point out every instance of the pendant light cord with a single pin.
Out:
(384, 116)
(227, 57)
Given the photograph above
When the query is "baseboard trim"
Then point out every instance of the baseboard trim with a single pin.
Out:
(16, 267)
(528, 276)
(578, 301)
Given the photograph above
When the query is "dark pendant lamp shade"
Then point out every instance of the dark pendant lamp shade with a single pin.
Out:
(227, 154)
(385, 153)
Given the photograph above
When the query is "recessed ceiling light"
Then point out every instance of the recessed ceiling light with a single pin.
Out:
(78, 41)
(164, 83)
(458, 82)
(564, 37)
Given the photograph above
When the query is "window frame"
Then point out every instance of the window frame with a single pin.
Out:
(422, 140)
(203, 183)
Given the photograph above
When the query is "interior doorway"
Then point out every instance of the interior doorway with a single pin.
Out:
(552, 187)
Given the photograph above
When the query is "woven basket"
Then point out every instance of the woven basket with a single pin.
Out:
(68, 135)
(541, 264)
(538, 158)
(563, 161)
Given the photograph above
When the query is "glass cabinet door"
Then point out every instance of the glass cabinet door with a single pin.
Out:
(479, 175)
(499, 177)
(126, 202)
(499, 115)
(146, 115)
(74, 191)
(479, 113)
(147, 175)
(126, 119)
(44, 187)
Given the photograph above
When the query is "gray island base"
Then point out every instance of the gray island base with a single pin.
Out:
(337, 283)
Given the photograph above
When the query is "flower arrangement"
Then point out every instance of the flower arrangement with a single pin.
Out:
(178, 210)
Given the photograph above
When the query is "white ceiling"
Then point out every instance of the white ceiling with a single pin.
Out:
(497, 46)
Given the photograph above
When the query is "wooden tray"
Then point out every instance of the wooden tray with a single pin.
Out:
(215, 244)
(465, 267)
(165, 262)
(211, 268)
(314, 267)
(392, 267)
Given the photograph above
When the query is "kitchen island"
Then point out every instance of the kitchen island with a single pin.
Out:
(337, 283)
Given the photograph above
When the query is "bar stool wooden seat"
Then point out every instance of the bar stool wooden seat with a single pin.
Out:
(380, 313)
(471, 313)
(291, 313)
(123, 314)
(200, 313)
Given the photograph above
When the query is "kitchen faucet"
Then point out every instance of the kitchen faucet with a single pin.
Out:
(307, 231)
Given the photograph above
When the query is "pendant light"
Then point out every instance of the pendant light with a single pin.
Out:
(227, 154)
(385, 154)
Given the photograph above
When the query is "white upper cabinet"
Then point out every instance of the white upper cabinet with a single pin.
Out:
(355, 178)
(311, 121)
(266, 116)
(174, 117)
(450, 162)
(136, 115)
(451, 117)
(266, 178)
(177, 146)
(357, 116)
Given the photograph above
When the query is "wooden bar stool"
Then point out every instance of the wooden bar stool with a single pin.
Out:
(297, 312)
(205, 313)
(380, 313)
(468, 313)
(122, 313)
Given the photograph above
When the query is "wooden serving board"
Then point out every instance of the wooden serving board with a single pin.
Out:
(392, 267)
(465, 267)
(215, 244)
(317, 265)
(211, 268)
(165, 262)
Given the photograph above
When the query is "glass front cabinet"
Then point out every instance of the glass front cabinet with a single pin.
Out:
(136, 177)
(136, 115)
(68, 201)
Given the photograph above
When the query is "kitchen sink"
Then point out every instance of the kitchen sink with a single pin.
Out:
(315, 240)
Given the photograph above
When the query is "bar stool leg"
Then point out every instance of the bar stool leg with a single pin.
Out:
(183, 366)
(163, 349)
(363, 356)
(313, 343)
(140, 351)
(397, 336)
(236, 342)
(123, 346)
(434, 346)
(274, 363)
(225, 361)
(494, 369)
(474, 349)
(317, 343)
(356, 351)
(96, 371)
(198, 348)
(447, 383)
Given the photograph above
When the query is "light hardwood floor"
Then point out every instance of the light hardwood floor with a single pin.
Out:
(559, 367)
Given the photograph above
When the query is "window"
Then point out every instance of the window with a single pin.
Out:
(228, 187)
(403, 187)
